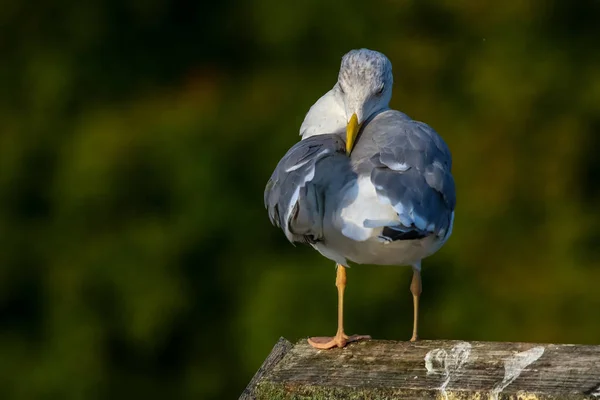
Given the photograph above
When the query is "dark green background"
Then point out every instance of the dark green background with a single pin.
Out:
(136, 138)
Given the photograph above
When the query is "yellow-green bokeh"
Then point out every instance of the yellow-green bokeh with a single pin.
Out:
(136, 139)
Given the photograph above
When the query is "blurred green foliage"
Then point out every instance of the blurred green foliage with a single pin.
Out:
(136, 138)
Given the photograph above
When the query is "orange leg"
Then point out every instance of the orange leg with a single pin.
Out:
(416, 288)
(340, 339)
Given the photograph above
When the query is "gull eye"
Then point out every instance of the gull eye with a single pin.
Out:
(380, 91)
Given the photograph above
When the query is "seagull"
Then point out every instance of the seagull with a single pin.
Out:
(365, 184)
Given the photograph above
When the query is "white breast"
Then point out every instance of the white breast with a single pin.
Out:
(327, 115)
(360, 215)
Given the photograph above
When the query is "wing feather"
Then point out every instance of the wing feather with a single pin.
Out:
(294, 195)
(411, 170)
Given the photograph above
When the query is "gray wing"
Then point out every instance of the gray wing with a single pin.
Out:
(294, 196)
(411, 170)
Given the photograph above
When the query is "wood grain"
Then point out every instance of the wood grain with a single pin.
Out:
(434, 369)
(279, 351)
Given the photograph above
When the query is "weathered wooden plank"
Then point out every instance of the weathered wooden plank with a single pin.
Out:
(435, 369)
(279, 351)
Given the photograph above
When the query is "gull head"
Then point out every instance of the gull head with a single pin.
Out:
(365, 86)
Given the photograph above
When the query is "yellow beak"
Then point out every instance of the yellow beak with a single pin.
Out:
(351, 132)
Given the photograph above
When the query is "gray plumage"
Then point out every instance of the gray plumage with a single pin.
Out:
(409, 165)
(295, 193)
(407, 161)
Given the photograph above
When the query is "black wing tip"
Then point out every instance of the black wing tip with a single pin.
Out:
(392, 235)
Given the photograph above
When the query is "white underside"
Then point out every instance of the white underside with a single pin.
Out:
(348, 239)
